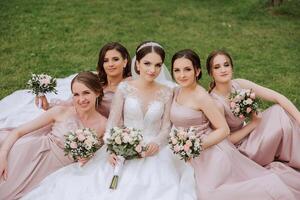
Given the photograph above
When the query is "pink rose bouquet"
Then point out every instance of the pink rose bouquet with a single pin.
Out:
(185, 143)
(243, 103)
(40, 84)
(126, 143)
(81, 143)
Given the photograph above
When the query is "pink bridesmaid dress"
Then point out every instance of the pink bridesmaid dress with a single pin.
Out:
(276, 138)
(106, 102)
(223, 173)
(34, 156)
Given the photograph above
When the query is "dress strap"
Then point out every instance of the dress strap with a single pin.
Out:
(235, 85)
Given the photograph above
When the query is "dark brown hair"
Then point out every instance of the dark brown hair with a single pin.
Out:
(142, 52)
(90, 80)
(190, 55)
(125, 55)
(209, 64)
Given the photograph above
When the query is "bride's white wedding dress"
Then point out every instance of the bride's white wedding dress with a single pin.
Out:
(18, 107)
(160, 177)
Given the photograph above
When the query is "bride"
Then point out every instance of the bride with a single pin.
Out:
(143, 104)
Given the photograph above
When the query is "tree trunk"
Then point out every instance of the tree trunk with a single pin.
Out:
(276, 2)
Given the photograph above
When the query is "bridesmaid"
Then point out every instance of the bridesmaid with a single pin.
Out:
(25, 159)
(113, 67)
(221, 171)
(272, 135)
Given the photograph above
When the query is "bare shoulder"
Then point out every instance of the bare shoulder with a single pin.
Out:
(129, 78)
(201, 93)
(204, 100)
(242, 82)
(60, 109)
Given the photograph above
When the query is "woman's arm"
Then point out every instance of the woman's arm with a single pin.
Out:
(57, 102)
(115, 117)
(236, 136)
(39, 122)
(271, 95)
(215, 117)
(11, 138)
(116, 109)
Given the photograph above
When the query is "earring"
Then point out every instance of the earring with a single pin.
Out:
(97, 102)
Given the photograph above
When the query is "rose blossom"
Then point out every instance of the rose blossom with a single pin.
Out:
(248, 110)
(237, 110)
(118, 140)
(232, 104)
(45, 81)
(186, 148)
(138, 148)
(81, 137)
(174, 141)
(249, 101)
(176, 148)
(73, 145)
(88, 144)
(189, 143)
(181, 134)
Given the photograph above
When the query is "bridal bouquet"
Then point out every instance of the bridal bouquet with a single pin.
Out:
(40, 84)
(81, 143)
(126, 143)
(243, 103)
(185, 143)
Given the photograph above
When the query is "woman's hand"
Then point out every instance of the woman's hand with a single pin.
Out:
(3, 166)
(256, 118)
(44, 104)
(112, 159)
(152, 149)
(83, 161)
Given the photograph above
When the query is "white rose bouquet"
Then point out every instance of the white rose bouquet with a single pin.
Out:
(126, 143)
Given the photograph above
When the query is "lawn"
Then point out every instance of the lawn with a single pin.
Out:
(62, 37)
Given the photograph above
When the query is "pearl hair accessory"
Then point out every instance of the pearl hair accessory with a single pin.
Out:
(149, 44)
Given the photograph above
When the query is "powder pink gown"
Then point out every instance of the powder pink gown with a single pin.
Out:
(277, 137)
(34, 156)
(223, 173)
(106, 102)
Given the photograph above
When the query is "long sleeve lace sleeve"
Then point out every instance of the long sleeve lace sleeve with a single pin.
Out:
(116, 110)
(162, 138)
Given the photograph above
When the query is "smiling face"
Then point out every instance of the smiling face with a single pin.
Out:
(221, 69)
(114, 63)
(149, 66)
(84, 99)
(184, 72)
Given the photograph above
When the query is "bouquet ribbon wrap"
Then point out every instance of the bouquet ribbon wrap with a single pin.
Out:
(40, 94)
(117, 172)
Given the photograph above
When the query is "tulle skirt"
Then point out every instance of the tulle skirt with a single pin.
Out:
(161, 177)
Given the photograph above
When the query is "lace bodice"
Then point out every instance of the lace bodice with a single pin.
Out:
(128, 109)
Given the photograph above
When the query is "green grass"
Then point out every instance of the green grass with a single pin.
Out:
(62, 37)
